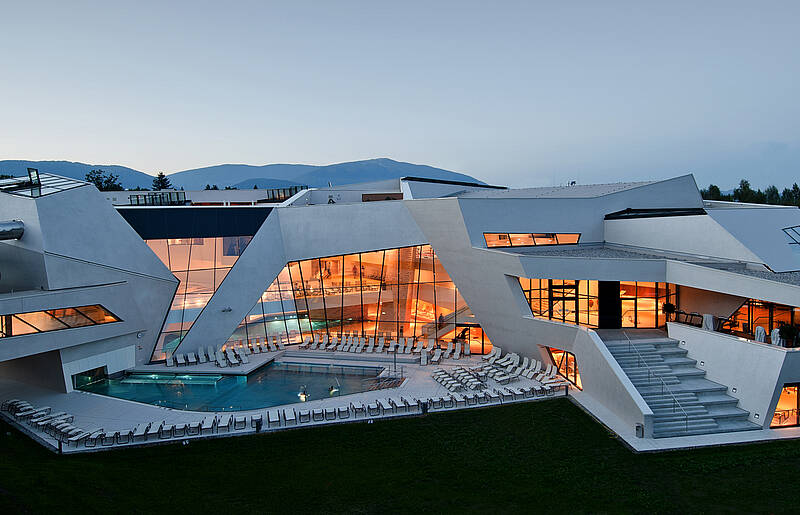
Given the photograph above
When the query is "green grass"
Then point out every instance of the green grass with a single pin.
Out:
(546, 456)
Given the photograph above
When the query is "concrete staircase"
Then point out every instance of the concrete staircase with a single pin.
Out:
(690, 404)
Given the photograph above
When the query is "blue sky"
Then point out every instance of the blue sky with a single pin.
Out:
(519, 93)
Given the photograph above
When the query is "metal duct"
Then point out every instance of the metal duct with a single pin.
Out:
(11, 229)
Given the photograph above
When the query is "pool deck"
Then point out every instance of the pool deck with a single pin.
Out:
(94, 411)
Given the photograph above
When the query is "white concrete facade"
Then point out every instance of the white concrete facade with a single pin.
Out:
(77, 251)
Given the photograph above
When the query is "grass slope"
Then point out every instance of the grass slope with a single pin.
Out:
(547, 456)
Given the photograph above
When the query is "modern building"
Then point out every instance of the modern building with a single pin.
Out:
(670, 316)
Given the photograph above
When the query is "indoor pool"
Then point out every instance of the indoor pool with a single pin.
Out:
(271, 385)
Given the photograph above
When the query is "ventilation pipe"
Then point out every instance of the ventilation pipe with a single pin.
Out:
(11, 229)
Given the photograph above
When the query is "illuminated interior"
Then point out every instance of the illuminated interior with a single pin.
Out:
(578, 302)
(567, 366)
(17, 324)
(500, 239)
(754, 313)
(572, 302)
(787, 408)
(403, 292)
(643, 302)
(200, 264)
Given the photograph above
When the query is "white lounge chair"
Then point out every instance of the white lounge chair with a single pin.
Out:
(457, 353)
(290, 417)
(191, 358)
(437, 356)
(180, 359)
(273, 418)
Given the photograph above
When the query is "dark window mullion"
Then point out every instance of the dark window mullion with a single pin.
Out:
(58, 320)
(324, 304)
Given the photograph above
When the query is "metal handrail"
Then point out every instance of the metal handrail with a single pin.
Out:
(664, 386)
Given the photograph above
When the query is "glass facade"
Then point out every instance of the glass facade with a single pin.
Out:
(501, 239)
(200, 264)
(643, 302)
(567, 366)
(572, 302)
(578, 303)
(17, 324)
(402, 292)
(787, 409)
(754, 313)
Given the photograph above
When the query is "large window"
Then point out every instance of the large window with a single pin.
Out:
(572, 302)
(17, 324)
(200, 264)
(754, 313)
(787, 409)
(578, 302)
(500, 239)
(567, 366)
(643, 302)
(402, 292)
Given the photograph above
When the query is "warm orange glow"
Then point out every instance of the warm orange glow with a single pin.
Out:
(567, 366)
(529, 239)
(392, 293)
(787, 409)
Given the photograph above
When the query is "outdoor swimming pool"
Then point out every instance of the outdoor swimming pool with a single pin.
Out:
(273, 384)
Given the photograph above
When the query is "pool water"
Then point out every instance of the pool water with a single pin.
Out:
(273, 384)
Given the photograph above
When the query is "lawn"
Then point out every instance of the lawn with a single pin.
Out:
(547, 456)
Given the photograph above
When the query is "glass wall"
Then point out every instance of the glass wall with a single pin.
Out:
(754, 313)
(567, 366)
(500, 239)
(403, 292)
(642, 303)
(200, 264)
(572, 302)
(17, 324)
(577, 302)
(787, 409)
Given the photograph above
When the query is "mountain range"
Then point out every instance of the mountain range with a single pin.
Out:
(246, 176)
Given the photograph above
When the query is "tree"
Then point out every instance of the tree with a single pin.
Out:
(104, 181)
(161, 182)
(6, 176)
(744, 193)
(771, 195)
(712, 193)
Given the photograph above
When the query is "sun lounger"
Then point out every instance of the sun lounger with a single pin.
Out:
(140, 433)
(191, 359)
(386, 406)
(306, 343)
(373, 409)
(207, 425)
(180, 360)
(290, 417)
(244, 358)
(358, 409)
(170, 361)
(457, 353)
(317, 414)
(273, 418)
(220, 360)
(80, 437)
(92, 439)
(256, 420)
(166, 431)
(437, 356)
(330, 413)
(153, 431)
(232, 359)
(409, 345)
(379, 346)
(239, 422)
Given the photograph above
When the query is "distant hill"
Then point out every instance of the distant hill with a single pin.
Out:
(245, 176)
(129, 177)
(313, 176)
(263, 184)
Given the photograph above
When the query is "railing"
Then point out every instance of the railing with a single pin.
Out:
(664, 387)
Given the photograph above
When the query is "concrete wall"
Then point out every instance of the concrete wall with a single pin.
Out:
(42, 370)
(699, 235)
(116, 355)
(752, 369)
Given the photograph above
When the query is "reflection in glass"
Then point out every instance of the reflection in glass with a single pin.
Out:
(200, 265)
(403, 292)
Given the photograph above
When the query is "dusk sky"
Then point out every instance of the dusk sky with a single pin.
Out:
(516, 93)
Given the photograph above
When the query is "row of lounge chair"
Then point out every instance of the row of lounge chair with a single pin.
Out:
(232, 356)
(458, 379)
(431, 353)
(57, 424)
(508, 368)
